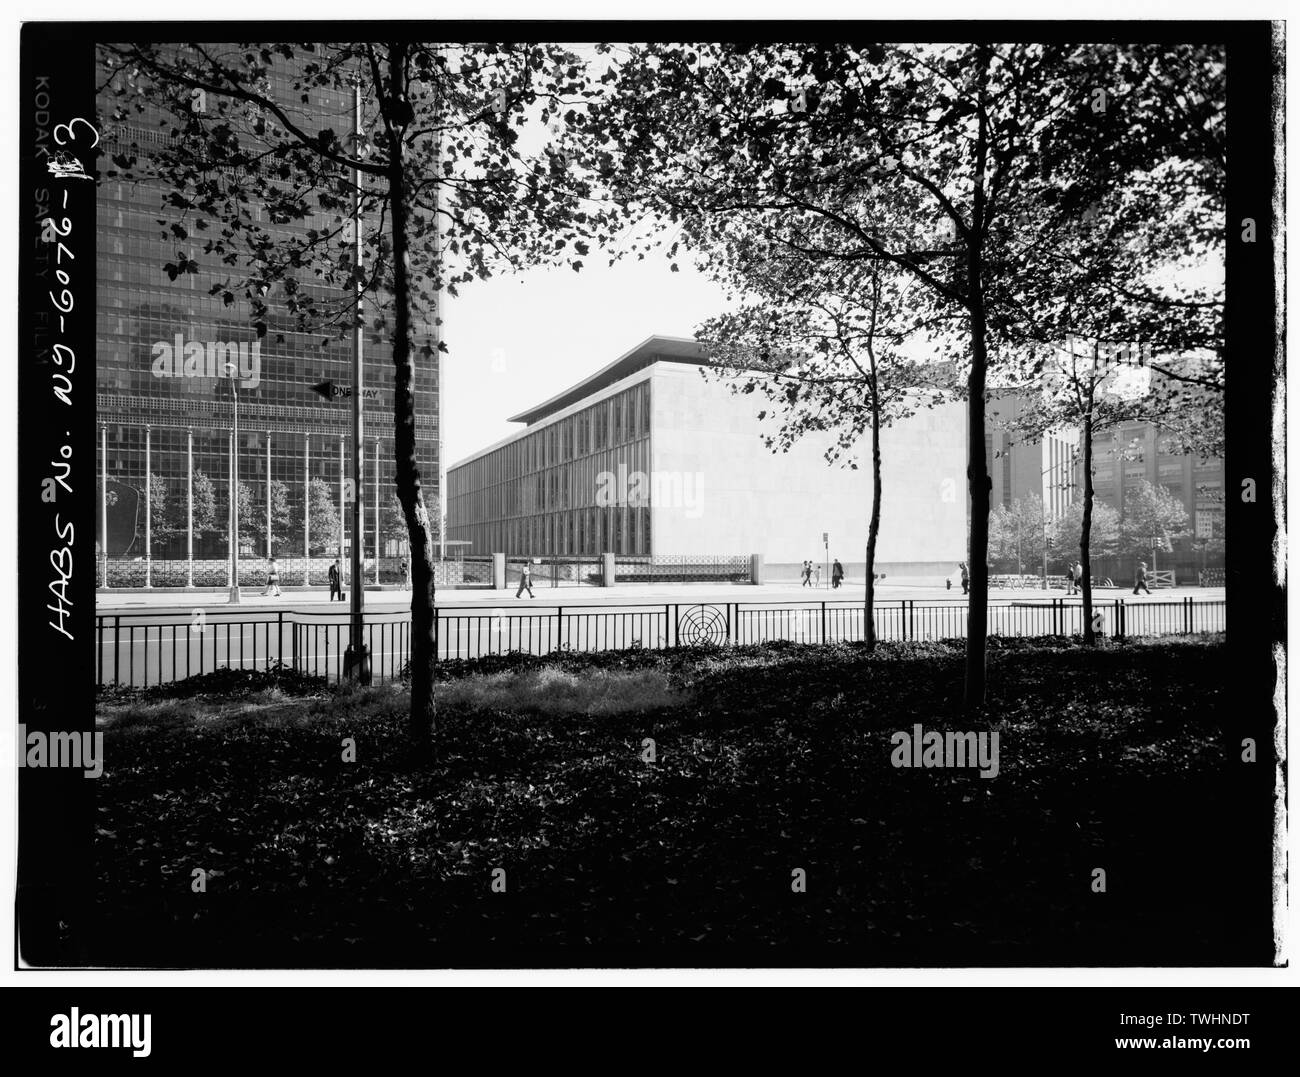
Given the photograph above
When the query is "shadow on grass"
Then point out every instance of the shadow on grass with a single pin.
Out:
(653, 807)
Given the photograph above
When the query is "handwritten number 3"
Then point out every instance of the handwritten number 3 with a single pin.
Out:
(59, 140)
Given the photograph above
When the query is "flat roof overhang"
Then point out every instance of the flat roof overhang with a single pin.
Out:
(652, 349)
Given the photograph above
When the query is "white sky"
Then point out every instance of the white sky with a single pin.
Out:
(516, 341)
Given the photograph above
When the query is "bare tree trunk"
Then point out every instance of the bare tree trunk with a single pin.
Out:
(424, 594)
(874, 530)
(1085, 537)
(980, 486)
(977, 476)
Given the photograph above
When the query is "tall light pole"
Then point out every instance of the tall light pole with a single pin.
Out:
(148, 509)
(103, 497)
(233, 371)
(374, 490)
(356, 660)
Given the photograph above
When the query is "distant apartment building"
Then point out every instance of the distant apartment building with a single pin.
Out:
(1122, 457)
(1125, 456)
(648, 458)
(1044, 468)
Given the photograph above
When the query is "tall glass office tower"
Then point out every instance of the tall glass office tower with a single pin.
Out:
(165, 398)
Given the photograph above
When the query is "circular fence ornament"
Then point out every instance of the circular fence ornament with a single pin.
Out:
(702, 624)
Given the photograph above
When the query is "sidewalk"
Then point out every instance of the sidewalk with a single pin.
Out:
(392, 598)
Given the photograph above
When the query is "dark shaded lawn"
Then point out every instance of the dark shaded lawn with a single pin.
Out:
(768, 759)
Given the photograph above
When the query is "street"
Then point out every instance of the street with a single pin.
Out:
(150, 639)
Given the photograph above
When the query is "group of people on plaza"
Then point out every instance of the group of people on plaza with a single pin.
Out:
(1073, 578)
(811, 574)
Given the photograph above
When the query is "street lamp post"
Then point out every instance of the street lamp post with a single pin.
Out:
(356, 659)
(233, 371)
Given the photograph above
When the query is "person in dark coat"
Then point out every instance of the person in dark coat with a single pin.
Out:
(526, 581)
(965, 577)
(837, 574)
(1141, 578)
(807, 574)
(336, 582)
(1069, 579)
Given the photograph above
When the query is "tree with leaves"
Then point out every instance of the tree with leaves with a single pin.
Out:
(393, 521)
(102, 498)
(1103, 531)
(439, 167)
(1017, 532)
(1153, 519)
(248, 528)
(252, 514)
(161, 523)
(821, 343)
(1122, 337)
(957, 164)
(205, 505)
(322, 518)
(1126, 319)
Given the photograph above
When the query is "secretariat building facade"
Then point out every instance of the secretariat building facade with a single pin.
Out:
(173, 360)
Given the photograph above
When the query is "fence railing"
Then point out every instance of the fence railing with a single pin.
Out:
(139, 648)
(564, 571)
(293, 572)
(553, 571)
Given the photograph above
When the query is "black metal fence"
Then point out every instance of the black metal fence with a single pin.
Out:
(293, 572)
(139, 649)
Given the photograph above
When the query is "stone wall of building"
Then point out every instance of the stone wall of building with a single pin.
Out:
(745, 497)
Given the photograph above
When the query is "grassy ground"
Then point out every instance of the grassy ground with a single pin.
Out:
(768, 759)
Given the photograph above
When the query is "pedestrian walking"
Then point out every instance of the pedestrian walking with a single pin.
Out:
(807, 574)
(965, 577)
(406, 574)
(336, 581)
(1069, 579)
(1141, 579)
(837, 574)
(272, 579)
(1078, 576)
(817, 575)
(526, 581)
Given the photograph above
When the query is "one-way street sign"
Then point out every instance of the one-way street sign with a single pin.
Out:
(331, 392)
